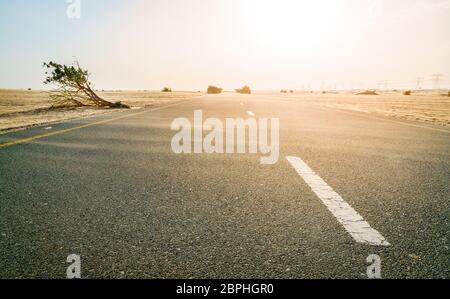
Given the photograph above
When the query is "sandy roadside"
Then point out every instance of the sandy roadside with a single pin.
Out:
(428, 108)
(21, 109)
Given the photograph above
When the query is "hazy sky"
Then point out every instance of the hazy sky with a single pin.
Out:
(268, 44)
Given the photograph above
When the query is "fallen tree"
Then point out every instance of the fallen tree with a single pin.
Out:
(73, 87)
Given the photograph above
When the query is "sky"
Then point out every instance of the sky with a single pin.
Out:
(267, 44)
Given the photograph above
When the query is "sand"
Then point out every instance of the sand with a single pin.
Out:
(22, 109)
(431, 108)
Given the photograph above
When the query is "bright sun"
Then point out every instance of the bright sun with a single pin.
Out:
(296, 23)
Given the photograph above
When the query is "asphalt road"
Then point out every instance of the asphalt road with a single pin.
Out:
(113, 192)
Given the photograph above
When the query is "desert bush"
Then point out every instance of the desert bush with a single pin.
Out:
(167, 89)
(244, 90)
(283, 91)
(73, 87)
(449, 93)
(214, 90)
(368, 93)
(407, 93)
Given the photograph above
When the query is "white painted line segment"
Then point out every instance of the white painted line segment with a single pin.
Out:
(251, 113)
(355, 225)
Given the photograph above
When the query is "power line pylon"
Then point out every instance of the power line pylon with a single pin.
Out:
(419, 83)
(437, 79)
(384, 83)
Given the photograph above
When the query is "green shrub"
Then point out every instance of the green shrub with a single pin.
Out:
(167, 89)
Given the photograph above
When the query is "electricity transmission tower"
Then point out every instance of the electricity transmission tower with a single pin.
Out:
(384, 83)
(379, 84)
(419, 83)
(437, 79)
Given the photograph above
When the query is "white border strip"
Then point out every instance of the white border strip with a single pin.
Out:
(355, 225)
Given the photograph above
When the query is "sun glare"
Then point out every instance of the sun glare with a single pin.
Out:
(296, 23)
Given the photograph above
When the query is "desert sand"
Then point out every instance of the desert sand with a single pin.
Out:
(22, 108)
(432, 108)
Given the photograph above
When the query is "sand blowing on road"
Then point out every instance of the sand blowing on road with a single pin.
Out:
(225, 147)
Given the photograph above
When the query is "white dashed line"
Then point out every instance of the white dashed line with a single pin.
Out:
(355, 225)
(251, 113)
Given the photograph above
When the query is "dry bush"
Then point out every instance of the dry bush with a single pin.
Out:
(368, 93)
(214, 90)
(244, 90)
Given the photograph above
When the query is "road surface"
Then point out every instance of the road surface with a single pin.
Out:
(110, 189)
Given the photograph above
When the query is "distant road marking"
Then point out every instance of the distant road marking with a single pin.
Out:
(29, 139)
(251, 113)
(355, 225)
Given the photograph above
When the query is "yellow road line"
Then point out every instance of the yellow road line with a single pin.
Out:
(29, 139)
